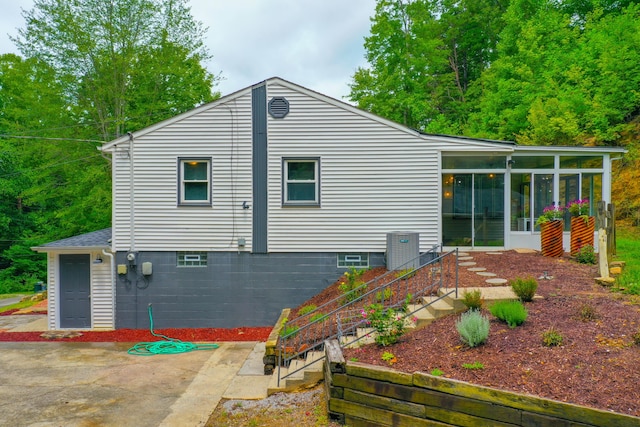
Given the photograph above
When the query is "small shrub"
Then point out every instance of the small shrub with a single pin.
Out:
(474, 365)
(384, 295)
(307, 309)
(552, 337)
(389, 324)
(289, 331)
(512, 312)
(524, 288)
(318, 317)
(636, 338)
(473, 299)
(586, 255)
(587, 313)
(353, 286)
(389, 357)
(473, 328)
(436, 372)
(407, 273)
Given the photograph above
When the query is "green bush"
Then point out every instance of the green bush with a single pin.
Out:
(353, 286)
(473, 299)
(307, 309)
(525, 289)
(388, 323)
(318, 317)
(512, 312)
(587, 313)
(473, 328)
(636, 338)
(552, 337)
(586, 255)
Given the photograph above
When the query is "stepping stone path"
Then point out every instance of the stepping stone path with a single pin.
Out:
(467, 262)
(486, 273)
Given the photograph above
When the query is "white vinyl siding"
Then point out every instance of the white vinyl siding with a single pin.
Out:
(102, 294)
(223, 134)
(374, 179)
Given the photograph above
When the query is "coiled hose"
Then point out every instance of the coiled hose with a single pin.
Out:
(168, 346)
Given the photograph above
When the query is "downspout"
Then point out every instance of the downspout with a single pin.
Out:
(132, 210)
(113, 285)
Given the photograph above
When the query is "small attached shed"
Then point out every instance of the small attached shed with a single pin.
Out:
(80, 281)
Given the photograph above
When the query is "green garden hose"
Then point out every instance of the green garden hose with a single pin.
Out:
(168, 346)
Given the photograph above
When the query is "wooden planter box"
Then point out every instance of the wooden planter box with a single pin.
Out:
(551, 238)
(582, 229)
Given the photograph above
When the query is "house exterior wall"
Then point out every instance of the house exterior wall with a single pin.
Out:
(374, 179)
(156, 222)
(235, 288)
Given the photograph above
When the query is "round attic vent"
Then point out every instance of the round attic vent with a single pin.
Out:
(278, 107)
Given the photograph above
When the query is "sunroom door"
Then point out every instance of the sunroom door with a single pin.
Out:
(473, 209)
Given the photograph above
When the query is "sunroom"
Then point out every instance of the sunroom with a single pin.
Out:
(493, 200)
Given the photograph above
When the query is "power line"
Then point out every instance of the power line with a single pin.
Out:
(50, 138)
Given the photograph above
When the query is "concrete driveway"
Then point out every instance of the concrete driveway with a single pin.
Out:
(99, 384)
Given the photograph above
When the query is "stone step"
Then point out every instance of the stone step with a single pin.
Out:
(438, 307)
(422, 316)
(308, 374)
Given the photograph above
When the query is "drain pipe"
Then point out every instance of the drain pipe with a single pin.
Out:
(132, 211)
(113, 284)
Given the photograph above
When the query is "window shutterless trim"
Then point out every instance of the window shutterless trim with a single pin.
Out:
(180, 181)
(315, 181)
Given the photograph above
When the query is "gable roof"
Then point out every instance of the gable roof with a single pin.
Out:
(502, 145)
(100, 239)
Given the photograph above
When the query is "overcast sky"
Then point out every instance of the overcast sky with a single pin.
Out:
(315, 43)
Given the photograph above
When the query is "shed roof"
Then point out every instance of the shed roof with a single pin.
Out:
(100, 239)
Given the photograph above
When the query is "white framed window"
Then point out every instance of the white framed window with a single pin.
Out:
(194, 177)
(192, 259)
(301, 181)
(353, 260)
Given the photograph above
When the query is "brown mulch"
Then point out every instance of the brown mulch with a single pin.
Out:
(144, 335)
(598, 364)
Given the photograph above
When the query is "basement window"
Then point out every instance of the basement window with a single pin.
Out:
(192, 259)
(353, 260)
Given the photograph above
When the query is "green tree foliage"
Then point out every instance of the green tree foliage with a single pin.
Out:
(110, 54)
(92, 70)
(423, 56)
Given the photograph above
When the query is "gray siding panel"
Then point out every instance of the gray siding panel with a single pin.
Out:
(234, 290)
(259, 131)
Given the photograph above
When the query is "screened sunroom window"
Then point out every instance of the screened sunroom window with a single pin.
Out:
(301, 182)
(474, 162)
(195, 182)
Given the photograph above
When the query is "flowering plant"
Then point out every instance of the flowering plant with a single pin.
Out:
(551, 213)
(579, 207)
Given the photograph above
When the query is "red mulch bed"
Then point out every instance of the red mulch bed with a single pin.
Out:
(139, 335)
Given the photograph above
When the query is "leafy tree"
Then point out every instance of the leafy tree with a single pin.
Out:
(423, 57)
(92, 70)
(106, 54)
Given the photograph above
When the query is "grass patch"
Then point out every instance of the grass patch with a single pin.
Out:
(628, 250)
(18, 305)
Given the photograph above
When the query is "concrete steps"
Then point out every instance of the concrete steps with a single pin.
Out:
(432, 308)
(309, 373)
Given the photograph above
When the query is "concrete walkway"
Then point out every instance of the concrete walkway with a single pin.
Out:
(80, 384)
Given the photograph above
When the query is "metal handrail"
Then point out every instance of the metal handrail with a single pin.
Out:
(391, 289)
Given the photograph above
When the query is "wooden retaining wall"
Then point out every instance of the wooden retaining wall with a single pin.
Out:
(366, 395)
